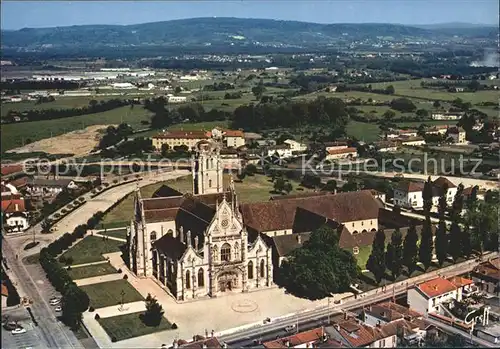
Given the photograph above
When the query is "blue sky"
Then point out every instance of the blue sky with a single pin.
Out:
(20, 14)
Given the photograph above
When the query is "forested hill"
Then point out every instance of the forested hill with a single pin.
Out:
(222, 31)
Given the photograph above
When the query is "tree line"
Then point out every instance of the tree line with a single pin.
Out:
(49, 114)
(74, 301)
(13, 87)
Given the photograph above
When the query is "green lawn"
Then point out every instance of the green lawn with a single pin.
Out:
(367, 132)
(91, 248)
(252, 189)
(91, 271)
(130, 325)
(363, 255)
(109, 293)
(13, 134)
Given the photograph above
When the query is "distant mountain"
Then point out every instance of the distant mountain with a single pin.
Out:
(221, 31)
(453, 25)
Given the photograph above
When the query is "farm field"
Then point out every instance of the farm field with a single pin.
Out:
(253, 189)
(130, 325)
(13, 135)
(368, 132)
(105, 294)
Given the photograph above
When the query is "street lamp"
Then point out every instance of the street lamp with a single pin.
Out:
(122, 293)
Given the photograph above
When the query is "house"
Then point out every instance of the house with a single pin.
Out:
(207, 343)
(408, 194)
(230, 138)
(7, 170)
(446, 116)
(408, 133)
(14, 215)
(342, 153)
(412, 141)
(233, 138)
(176, 99)
(438, 129)
(335, 145)
(295, 146)
(283, 151)
(386, 146)
(49, 187)
(306, 339)
(487, 276)
(457, 134)
(353, 334)
(465, 287)
(428, 296)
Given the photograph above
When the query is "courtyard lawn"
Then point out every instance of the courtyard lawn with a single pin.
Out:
(91, 271)
(253, 189)
(14, 134)
(368, 132)
(91, 248)
(363, 255)
(106, 294)
(130, 325)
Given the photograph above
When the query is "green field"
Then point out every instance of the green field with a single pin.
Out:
(90, 249)
(109, 293)
(91, 271)
(367, 132)
(14, 134)
(252, 189)
(130, 325)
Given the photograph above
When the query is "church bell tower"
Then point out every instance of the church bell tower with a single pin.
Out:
(207, 168)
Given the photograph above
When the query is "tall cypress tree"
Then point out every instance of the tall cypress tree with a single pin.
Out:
(410, 249)
(441, 237)
(376, 261)
(456, 236)
(394, 254)
(426, 242)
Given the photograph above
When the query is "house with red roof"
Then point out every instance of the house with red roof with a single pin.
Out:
(408, 194)
(14, 216)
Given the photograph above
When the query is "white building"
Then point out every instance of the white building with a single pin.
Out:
(438, 129)
(457, 134)
(49, 187)
(412, 141)
(343, 153)
(295, 146)
(123, 85)
(196, 245)
(386, 146)
(176, 99)
(408, 194)
(282, 150)
(335, 145)
(446, 116)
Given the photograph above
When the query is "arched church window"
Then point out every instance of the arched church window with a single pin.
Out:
(170, 231)
(262, 270)
(152, 236)
(188, 279)
(225, 252)
(215, 252)
(236, 251)
(201, 277)
(206, 164)
(210, 183)
(250, 270)
(212, 163)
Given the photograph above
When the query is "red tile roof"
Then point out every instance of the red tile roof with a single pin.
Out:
(297, 339)
(459, 281)
(5, 290)
(410, 187)
(209, 343)
(436, 287)
(355, 334)
(9, 204)
(233, 133)
(442, 181)
(9, 169)
(342, 151)
(183, 135)
(20, 182)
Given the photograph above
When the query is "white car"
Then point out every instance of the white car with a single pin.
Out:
(55, 301)
(19, 330)
(58, 308)
(290, 328)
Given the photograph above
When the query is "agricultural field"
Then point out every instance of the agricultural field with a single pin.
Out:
(368, 132)
(16, 134)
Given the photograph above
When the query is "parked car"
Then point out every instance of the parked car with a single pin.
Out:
(19, 330)
(290, 328)
(55, 301)
(58, 308)
(267, 320)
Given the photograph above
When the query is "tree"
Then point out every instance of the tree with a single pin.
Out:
(394, 254)
(410, 249)
(74, 302)
(279, 185)
(390, 90)
(154, 312)
(330, 186)
(426, 242)
(241, 175)
(319, 268)
(422, 113)
(258, 91)
(441, 236)
(376, 261)
(457, 238)
(403, 105)
(436, 104)
(288, 187)
(164, 149)
(389, 115)
(250, 169)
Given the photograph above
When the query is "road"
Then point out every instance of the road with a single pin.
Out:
(316, 317)
(50, 332)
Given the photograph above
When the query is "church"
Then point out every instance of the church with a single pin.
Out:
(196, 245)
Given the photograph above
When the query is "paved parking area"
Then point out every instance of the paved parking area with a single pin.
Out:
(32, 338)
